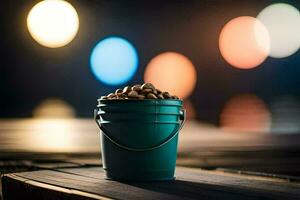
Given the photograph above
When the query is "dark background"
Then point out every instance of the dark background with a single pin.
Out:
(31, 73)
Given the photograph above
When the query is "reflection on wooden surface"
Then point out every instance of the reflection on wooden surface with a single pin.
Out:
(49, 135)
(82, 136)
(245, 112)
(77, 141)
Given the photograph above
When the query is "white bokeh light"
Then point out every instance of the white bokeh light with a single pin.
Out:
(283, 23)
(53, 23)
(285, 115)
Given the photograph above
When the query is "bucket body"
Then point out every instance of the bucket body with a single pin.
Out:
(139, 138)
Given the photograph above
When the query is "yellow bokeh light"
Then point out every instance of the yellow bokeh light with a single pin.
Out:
(244, 42)
(53, 127)
(53, 23)
(53, 108)
(172, 72)
(52, 135)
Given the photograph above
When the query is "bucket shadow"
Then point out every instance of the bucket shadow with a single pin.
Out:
(192, 190)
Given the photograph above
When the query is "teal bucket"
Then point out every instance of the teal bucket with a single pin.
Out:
(139, 138)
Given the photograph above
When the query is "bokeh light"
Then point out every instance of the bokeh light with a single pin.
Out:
(172, 72)
(53, 127)
(285, 115)
(245, 113)
(283, 23)
(53, 135)
(191, 112)
(53, 23)
(114, 61)
(53, 108)
(244, 42)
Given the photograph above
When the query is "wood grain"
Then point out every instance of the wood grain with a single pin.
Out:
(189, 184)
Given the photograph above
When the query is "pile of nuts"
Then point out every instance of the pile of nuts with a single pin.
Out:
(139, 92)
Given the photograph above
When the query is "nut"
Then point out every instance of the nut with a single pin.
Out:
(111, 95)
(160, 96)
(139, 92)
(137, 87)
(127, 89)
(118, 91)
(166, 95)
(148, 86)
(154, 92)
(121, 95)
(133, 94)
(141, 96)
(145, 91)
(151, 96)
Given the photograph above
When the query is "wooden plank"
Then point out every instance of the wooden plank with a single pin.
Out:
(190, 184)
(265, 186)
(261, 174)
(54, 165)
(280, 161)
(100, 187)
(97, 172)
(94, 161)
(20, 188)
(256, 186)
(92, 172)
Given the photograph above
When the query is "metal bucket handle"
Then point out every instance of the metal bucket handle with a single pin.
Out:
(182, 117)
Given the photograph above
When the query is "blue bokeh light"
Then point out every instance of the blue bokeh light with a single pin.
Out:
(114, 61)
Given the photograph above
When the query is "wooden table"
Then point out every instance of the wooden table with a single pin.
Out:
(269, 164)
(90, 183)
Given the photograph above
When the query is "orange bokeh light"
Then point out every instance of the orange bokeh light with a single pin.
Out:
(244, 42)
(246, 113)
(172, 72)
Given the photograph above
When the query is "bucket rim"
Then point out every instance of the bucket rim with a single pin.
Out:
(139, 121)
(101, 112)
(165, 102)
(137, 100)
